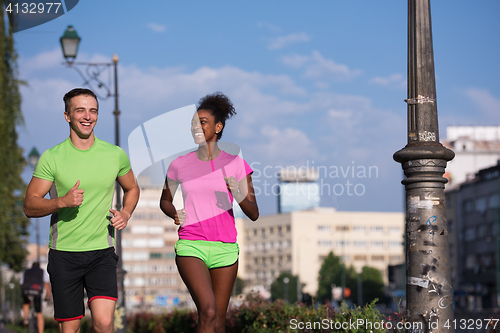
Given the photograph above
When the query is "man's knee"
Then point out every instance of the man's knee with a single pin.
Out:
(103, 324)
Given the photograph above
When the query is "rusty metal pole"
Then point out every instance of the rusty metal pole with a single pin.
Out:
(429, 295)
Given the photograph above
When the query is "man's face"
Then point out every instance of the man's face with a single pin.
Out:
(82, 115)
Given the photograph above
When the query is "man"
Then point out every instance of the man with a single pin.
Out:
(80, 174)
(33, 282)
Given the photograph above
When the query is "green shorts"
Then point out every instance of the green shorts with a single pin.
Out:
(214, 254)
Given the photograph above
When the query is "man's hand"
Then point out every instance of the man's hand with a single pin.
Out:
(74, 197)
(180, 217)
(120, 219)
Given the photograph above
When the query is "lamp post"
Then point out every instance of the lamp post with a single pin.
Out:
(33, 158)
(286, 280)
(69, 44)
(429, 293)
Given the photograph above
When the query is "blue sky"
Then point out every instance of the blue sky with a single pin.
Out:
(314, 83)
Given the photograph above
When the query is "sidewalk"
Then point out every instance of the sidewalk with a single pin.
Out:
(4, 330)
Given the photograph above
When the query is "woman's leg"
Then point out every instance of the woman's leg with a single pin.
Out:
(195, 274)
(222, 285)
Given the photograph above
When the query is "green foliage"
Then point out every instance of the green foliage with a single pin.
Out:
(278, 288)
(261, 317)
(373, 284)
(13, 223)
(329, 273)
(238, 286)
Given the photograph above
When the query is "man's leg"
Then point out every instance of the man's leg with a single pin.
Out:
(26, 309)
(40, 322)
(222, 284)
(70, 326)
(102, 315)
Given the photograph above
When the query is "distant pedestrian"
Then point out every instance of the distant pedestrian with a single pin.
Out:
(33, 282)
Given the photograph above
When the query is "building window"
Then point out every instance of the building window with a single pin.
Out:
(256, 261)
(341, 243)
(470, 233)
(325, 243)
(288, 228)
(377, 257)
(470, 261)
(279, 230)
(255, 232)
(493, 201)
(289, 257)
(271, 230)
(324, 228)
(394, 258)
(468, 206)
(154, 255)
(394, 229)
(394, 244)
(481, 205)
(359, 243)
(263, 232)
(360, 257)
(378, 243)
(377, 228)
(342, 228)
(359, 228)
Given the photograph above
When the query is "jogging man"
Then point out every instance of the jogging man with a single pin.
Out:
(33, 282)
(80, 174)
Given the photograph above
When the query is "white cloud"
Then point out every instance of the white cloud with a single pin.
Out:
(395, 80)
(269, 26)
(155, 27)
(280, 42)
(487, 103)
(318, 67)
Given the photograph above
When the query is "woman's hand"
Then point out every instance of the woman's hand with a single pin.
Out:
(180, 217)
(234, 187)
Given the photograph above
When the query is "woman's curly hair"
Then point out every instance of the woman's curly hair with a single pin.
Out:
(220, 106)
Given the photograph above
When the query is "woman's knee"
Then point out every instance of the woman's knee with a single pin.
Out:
(207, 311)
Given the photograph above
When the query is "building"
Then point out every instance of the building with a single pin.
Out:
(299, 190)
(297, 242)
(475, 147)
(152, 281)
(473, 217)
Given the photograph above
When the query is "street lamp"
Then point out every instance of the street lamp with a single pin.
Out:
(286, 280)
(429, 295)
(33, 158)
(69, 44)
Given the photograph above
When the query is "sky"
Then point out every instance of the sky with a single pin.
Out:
(315, 84)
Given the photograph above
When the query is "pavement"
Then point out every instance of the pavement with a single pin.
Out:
(4, 330)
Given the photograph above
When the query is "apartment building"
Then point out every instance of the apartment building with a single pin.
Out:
(297, 242)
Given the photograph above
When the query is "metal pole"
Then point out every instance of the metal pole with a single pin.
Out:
(120, 311)
(37, 240)
(497, 255)
(428, 290)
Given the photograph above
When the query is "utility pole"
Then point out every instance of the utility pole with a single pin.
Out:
(429, 295)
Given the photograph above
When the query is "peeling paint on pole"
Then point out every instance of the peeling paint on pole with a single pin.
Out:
(429, 295)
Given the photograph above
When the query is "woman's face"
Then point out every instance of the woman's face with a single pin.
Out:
(204, 128)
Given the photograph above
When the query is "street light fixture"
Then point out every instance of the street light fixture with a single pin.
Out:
(33, 158)
(69, 44)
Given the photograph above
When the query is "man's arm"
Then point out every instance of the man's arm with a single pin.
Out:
(35, 205)
(131, 193)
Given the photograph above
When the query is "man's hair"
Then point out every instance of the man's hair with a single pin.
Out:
(35, 264)
(77, 92)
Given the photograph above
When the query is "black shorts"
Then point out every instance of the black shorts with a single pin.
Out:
(36, 296)
(72, 272)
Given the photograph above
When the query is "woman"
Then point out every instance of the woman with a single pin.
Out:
(210, 178)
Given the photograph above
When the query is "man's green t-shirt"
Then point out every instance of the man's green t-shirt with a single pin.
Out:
(87, 227)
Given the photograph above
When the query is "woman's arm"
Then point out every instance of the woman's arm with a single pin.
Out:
(166, 205)
(243, 192)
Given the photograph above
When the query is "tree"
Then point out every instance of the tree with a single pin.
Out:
(288, 291)
(329, 273)
(373, 284)
(238, 286)
(13, 223)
